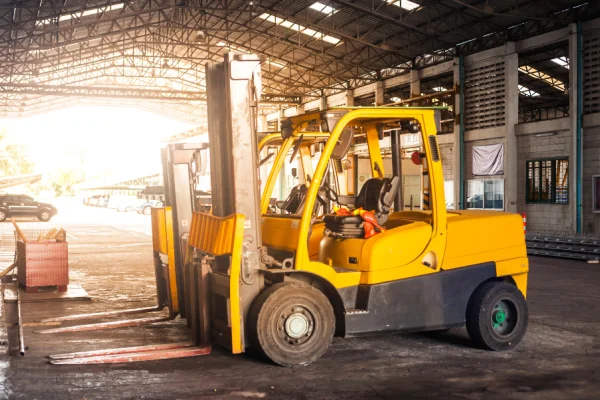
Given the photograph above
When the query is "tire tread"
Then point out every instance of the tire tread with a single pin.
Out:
(477, 328)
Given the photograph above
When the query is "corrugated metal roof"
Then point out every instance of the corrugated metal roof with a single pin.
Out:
(374, 35)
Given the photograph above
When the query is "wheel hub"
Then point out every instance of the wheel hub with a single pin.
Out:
(499, 316)
(296, 325)
(503, 318)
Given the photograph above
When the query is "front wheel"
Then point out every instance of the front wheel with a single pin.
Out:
(147, 210)
(3, 215)
(292, 324)
(45, 215)
(497, 316)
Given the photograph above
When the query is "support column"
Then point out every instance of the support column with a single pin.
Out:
(263, 123)
(279, 118)
(323, 105)
(300, 109)
(511, 90)
(415, 83)
(379, 94)
(397, 169)
(350, 98)
(458, 148)
(575, 127)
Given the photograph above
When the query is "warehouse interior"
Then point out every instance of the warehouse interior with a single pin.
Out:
(372, 178)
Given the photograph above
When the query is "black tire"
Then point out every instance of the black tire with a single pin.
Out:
(497, 316)
(303, 336)
(45, 215)
(3, 215)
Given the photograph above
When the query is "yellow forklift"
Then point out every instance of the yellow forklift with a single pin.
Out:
(426, 270)
(287, 282)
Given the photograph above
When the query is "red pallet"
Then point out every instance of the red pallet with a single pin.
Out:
(42, 265)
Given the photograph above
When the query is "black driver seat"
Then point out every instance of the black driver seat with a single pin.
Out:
(377, 195)
(294, 204)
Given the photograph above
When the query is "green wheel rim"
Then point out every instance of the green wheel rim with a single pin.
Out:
(504, 318)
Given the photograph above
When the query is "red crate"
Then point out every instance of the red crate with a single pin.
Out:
(43, 264)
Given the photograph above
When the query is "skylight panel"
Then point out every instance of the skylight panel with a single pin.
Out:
(405, 4)
(534, 73)
(562, 61)
(330, 39)
(325, 9)
(528, 92)
(273, 63)
(270, 18)
(80, 14)
(288, 24)
(309, 32)
(299, 28)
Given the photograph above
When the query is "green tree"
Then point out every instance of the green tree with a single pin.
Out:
(64, 179)
(13, 160)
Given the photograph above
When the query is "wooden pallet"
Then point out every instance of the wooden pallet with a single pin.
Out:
(74, 292)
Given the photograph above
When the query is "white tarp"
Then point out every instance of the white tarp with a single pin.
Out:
(488, 160)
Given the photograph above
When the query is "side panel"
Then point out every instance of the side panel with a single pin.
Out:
(480, 236)
(280, 232)
(517, 269)
(427, 302)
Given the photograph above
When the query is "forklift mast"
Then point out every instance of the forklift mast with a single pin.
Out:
(180, 185)
(234, 88)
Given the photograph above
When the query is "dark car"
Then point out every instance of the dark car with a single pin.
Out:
(20, 205)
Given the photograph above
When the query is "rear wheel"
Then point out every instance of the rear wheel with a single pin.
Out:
(3, 215)
(497, 316)
(292, 324)
(45, 215)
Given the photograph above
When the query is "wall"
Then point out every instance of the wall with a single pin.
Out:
(542, 217)
(591, 166)
(447, 154)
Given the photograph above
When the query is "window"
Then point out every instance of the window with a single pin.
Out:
(548, 181)
(485, 194)
(411, 190)
(449, 193)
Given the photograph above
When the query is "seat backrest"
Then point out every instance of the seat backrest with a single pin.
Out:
(295, 200)
(377, 194)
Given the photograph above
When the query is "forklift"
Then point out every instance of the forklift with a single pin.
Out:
(285, 283)
(426, 270)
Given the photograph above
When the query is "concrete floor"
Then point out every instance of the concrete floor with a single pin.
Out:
(110, 255)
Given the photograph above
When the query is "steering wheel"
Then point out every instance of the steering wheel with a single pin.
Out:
(296, 148)
(330, 192)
